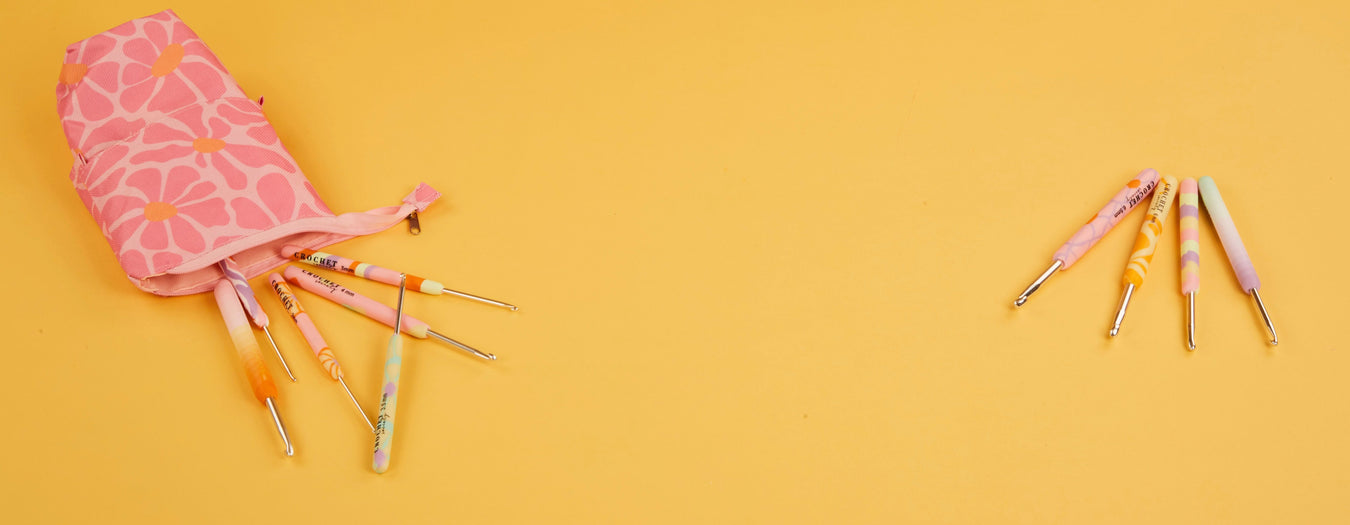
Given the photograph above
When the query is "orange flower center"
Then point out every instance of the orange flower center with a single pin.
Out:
(208, 145)
(167, 61)
(73, 73)
(158, 211)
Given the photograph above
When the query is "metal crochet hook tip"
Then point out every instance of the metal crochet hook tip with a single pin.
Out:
(483, 300)
(1265, 316)
(364, 417)
(284, 366)
(1120, 314)
(1026, 294)
(462, 346)
(281, 427)
(1190, 321)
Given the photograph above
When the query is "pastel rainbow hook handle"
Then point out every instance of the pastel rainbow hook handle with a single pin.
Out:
(306, 325)
(393, 369)
(244, 342)
(1189, 201)
(329, 261)
(353, 301)
(384, 426)
(1228, 235)
(1111, 214)
(1147, 241)
(1237, 253)
(240, 283)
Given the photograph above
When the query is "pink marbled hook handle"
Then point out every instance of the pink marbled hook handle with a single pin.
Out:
(355, 302)
(1189, 201)
(317, 344)
(1228, 235)
(1120, 205)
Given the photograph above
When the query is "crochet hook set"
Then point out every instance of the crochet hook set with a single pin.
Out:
(233, 296)
(191, 187)
(1164, 191)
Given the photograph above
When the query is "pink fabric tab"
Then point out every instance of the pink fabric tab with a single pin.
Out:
(422, 197)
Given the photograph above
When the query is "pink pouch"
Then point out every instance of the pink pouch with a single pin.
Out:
(181, 170)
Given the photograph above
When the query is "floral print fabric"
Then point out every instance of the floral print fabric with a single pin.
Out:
(173, 160)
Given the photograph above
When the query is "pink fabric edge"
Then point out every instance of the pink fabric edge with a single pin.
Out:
(261, 252)
(205, 279)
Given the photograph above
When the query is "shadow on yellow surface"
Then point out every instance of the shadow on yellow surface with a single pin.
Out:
(765, 256)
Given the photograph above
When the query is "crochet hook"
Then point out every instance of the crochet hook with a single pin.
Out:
(393, 367)
(1237, 252)
(315, 339)
(365, 270)
(371, 308)
(247, 346)
(1144, 245)
(1087, 236)
(255, 311)
(1189, 202)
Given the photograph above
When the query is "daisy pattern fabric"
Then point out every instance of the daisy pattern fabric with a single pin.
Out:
(180, 169)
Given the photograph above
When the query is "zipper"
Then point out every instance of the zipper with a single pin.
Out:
(414, 225)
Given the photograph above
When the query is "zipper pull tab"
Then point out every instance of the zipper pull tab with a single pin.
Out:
(414, 225)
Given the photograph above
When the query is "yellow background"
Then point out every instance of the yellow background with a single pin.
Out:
(766, 254)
